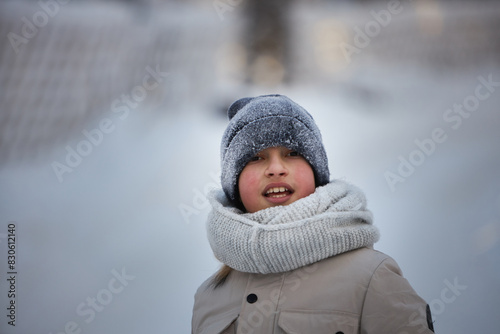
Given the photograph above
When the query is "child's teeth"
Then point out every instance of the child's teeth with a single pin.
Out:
(277, 190)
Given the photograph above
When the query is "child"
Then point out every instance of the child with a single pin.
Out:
(297, 248)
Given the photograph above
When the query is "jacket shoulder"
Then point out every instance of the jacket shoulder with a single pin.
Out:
(362, 262)
(210, 315)
(389, 304)
(380, 259)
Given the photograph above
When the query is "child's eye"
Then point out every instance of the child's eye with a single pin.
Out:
(255, 158)
(294, 154)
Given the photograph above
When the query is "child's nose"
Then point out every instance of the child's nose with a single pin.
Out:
(276, 167)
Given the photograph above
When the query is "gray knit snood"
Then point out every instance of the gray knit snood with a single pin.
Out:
(331, 221)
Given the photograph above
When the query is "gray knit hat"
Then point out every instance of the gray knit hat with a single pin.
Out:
(257, 123)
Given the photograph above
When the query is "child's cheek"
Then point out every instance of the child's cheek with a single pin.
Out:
(253, 178)
(248, 179)
(305, 177)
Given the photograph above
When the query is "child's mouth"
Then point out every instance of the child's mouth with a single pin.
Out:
(278, 192)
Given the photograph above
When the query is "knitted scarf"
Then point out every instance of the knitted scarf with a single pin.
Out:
(331, 221)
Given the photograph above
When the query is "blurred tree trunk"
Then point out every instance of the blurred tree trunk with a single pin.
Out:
(266, 38)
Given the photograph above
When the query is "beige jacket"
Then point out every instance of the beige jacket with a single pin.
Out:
(361, 291)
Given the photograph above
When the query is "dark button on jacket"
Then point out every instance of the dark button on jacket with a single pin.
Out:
(252, 298)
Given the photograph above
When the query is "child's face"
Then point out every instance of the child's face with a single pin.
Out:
(275, 176)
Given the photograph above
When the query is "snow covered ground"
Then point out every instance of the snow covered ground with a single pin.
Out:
(119, 245)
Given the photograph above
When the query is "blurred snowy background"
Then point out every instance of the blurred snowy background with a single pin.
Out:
(111, 114)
